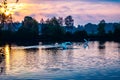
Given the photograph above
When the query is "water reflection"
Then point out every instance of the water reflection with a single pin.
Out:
(119, 51)
(100, 56)
(54, 59)
(2, 64)
(32, 59)
(101, 45)
(17, 61)
(7, 58)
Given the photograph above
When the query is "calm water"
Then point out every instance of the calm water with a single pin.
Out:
(101, 61)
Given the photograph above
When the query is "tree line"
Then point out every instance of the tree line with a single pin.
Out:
(53, 30)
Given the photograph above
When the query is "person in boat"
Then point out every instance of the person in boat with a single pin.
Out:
(86, 44)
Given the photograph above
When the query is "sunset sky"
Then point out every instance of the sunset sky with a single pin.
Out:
(83, 11)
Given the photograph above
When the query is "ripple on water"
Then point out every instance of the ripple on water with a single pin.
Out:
(72, 64)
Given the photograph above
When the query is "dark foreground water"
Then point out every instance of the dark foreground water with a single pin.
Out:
(101, 61)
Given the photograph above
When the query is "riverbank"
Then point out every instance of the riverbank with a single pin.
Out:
(46, 41)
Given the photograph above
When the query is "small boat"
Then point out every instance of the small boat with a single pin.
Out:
(66, 45)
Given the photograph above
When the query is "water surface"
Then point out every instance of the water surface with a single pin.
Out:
(101, 61)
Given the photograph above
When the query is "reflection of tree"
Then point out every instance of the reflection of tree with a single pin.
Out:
(32, 58)
(53, 56)
(101, 47)
(2, 56)
(54, 60)
(69, 62)
(5, 64)
(69, 55)
(1, 63)
(119, 50)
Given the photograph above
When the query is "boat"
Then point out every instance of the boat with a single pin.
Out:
(66, 45)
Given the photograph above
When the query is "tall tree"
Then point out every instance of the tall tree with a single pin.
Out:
(69, 21)
(101, 28)
(53, 29)
(117, 31)
(29, 27)
(60, 21)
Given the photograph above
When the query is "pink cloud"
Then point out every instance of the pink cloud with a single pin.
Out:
(82, 12)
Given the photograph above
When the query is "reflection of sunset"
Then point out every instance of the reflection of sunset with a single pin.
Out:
(7, 58)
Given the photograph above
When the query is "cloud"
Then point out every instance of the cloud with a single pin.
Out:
(32, 15)
(43, 1)
(57, 1)
(82, 11)
(48, 15)
(17, 13)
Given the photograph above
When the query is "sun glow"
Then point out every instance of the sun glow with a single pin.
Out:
(10, 8)
(7, 13)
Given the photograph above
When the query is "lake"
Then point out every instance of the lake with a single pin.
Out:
(99, 61)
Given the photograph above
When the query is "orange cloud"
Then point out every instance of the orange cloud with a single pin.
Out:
(81, 11)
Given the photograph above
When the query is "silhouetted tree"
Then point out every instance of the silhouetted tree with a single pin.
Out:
(4, 17)
(29, 28)
(69, 21)
(80, 35)
(53, 29)
(6, 24)
(68, 36)
(101, 28)
(117, 31)
(110, 34)
(60, 21)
